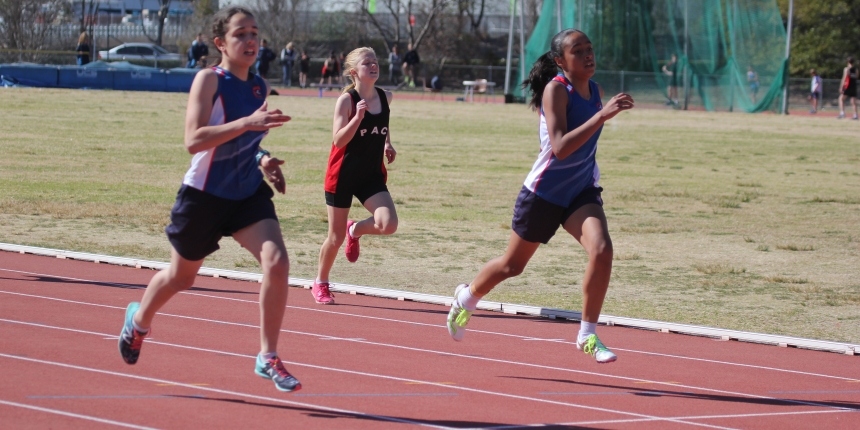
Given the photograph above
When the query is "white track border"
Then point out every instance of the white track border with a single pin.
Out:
(508, 308)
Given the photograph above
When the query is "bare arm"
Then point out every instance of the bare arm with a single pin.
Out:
(200, 136)
(555, 110)
(390, 153)
(344, 127)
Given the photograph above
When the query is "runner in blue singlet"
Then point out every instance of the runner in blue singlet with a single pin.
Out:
(561, 189)
(223, 193)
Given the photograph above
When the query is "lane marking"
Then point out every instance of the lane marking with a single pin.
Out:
(707, 417)
(379, 395)
(598, 393)
(817, 392)
(334, 369)
(214, 390)
(657, 354)
(74, 415)
(154, 396)
(654, 382)
(172, 385)
(434, 383)
(435, 352)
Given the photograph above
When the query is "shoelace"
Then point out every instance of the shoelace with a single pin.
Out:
(592, 345)
(279, 367)
(136, 339)
(463, 317)
(324, 291)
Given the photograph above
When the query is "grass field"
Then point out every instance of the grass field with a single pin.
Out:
(748, 222)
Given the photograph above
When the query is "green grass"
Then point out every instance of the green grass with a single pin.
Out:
(731, 220)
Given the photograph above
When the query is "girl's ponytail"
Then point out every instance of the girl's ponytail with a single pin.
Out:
(545, 68)
(543, 71)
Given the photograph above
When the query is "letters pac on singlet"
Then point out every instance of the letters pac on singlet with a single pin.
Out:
(375, 130)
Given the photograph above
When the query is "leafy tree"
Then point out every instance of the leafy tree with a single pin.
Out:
(825, 34)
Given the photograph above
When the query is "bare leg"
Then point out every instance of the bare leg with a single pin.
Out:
(164, 285)
(588, 226)
(383, 219)
(854, 103)
(841, 103)
(263, 239)
(510, 264)
(337, 218)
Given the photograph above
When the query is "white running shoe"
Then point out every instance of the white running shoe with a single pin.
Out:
(458, 316)
(595, 348)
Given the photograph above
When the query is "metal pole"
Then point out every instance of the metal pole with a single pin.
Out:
(510, 48)
(580, 12)
(787, 58)
(522, 41)
(558, 14)
(734, 24)
(687, 63)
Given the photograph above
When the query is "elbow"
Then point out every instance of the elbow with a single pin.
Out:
(192, 147)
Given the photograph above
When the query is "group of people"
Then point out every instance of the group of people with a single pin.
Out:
(224, 192)
(847, 89)
(405, 66)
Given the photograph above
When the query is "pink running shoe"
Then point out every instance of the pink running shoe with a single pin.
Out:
(352, 247)
(321, 293)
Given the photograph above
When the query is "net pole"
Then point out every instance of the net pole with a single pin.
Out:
(510, 48)
(522, 40)
(687, 62)
(733, 22)
(579, 12)
(558, 14)
(787, 58)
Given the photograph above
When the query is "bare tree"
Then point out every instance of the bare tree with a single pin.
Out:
(400, 10)
(475, 18)
(25, 24)
(277, 19)
(163, 10)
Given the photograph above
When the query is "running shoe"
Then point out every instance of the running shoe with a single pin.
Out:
(840, 116)
(321, 293)
(855, 117)
(274, 369)
(458, 316)
(595, 348)
(130, 340)
(352, 247)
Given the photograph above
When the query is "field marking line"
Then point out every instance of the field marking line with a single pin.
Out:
(728, 363)
(354, 372)
(435, 352)
(210, 389)
(640, 420)
(74, 415)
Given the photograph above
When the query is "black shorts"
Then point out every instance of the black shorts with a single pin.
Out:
(814, 96)
(536, 220)
(851, 91)
(343, 197)
(199, 220)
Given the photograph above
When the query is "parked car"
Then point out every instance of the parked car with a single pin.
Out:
(138, 51)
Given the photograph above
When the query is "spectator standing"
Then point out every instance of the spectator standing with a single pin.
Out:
(288, 59)
(329, 69)
(394, 66)
(849, 88)
(340, 67)
(410, 61)
(264, 57)
(83, 49)
(304, 69)
(815, 91)
(671, 69)
(752, 80)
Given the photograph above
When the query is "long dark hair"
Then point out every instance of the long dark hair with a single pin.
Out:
(545, 69)
(222, 18)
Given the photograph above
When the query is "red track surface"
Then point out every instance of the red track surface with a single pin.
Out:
(375, 363)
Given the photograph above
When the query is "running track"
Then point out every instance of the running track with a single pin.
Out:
(375, 363)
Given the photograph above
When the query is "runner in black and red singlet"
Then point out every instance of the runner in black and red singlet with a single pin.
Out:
(356, 167)
(849, 88)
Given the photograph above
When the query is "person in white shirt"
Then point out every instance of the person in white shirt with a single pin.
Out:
(815, 91)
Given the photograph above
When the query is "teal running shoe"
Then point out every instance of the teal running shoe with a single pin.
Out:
(458, 316)
(130, 340)
(274, 369)
(595, 348)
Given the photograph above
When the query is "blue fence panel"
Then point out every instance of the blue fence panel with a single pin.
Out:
(140, 80)
(31, 74)
(81, 77)
(179, 80)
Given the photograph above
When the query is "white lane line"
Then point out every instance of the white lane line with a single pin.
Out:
(73, 415)
(436, 352)
(355, 372)
(727, 363)
(209, 389)
(710, 417)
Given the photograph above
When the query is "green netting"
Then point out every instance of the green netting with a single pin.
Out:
(717, 42)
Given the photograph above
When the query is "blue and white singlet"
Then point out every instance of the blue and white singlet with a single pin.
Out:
(230, 170)
(560, 181)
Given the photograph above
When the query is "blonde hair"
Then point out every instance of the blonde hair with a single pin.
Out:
(82, 38)
(351, 63)
(290, 45)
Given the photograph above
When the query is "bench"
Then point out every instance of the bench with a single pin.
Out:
(323, 87)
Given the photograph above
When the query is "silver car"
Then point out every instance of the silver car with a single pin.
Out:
(138, 51)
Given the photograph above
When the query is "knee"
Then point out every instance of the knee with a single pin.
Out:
(181, 282)
(388, 226)
(276, 263)
(511, 269)
(335, 239)
(601, 253)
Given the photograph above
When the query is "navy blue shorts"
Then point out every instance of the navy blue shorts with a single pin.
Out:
(199, 220)
(343, 197)
(537, 220)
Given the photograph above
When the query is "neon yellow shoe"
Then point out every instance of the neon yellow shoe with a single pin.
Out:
(595, 348)
(458, 316)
